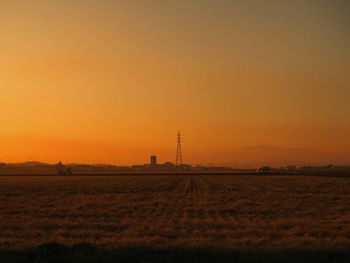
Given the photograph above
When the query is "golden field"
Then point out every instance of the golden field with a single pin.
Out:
(233, 212)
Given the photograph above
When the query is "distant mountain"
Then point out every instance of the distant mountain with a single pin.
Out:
(34, 167)
(278, 156)
(28, 164)
(247, 157)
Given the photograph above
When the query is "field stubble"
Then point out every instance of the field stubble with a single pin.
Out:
(247, 212)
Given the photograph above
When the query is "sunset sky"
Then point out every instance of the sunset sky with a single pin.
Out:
(102, 81)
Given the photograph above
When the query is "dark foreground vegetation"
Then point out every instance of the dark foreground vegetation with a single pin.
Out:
(87, 253)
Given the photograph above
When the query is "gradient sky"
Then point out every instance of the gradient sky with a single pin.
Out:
(104, 81)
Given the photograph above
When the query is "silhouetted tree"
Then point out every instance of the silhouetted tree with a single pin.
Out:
(63, 170)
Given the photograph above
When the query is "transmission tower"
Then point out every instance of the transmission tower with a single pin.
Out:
(178, 152)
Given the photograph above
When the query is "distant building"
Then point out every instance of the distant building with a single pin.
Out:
(167, 166)
(186, 167)
(264, 170)
(153, 161)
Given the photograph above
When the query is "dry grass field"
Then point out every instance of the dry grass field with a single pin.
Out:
(260, 213)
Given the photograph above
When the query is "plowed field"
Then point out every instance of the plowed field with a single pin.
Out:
(226, 211)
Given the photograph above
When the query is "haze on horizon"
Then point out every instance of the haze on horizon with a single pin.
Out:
(112, 81)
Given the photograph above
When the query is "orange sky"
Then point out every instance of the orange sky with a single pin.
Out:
(113, 81)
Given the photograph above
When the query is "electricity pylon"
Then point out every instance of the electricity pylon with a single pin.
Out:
(178, 152)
